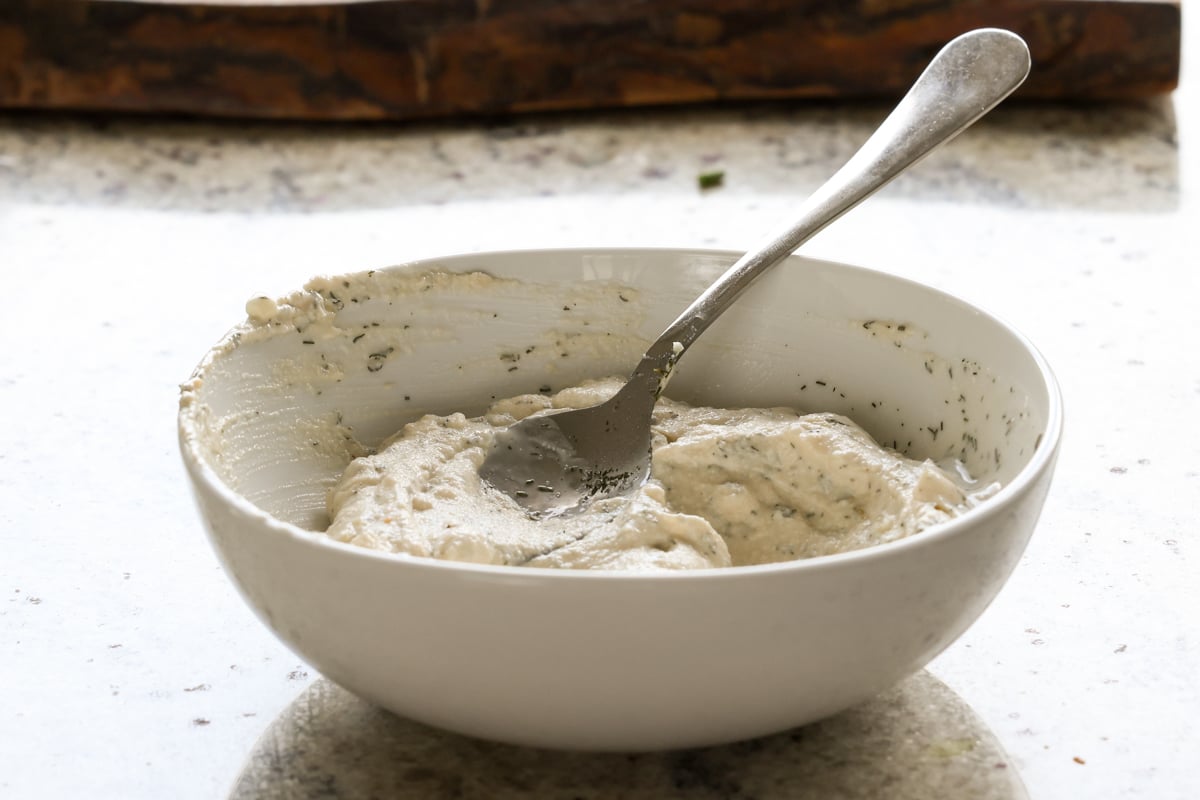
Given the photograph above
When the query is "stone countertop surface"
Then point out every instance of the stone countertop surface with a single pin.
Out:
(131, 669)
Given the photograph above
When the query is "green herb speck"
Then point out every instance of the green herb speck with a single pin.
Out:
(711, 179)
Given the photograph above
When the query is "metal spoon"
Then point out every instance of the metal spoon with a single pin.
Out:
(560, 462)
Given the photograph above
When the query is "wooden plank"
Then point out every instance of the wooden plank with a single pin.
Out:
(406, 59)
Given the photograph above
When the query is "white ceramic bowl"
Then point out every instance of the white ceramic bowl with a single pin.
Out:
(606, 660)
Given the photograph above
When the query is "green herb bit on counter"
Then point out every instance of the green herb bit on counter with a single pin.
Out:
(712, 179)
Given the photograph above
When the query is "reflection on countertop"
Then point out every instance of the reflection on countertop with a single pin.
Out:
(916, 741)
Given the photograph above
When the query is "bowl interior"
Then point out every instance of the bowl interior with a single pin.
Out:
(278, 412)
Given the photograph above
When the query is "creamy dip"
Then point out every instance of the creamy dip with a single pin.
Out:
(727, 487)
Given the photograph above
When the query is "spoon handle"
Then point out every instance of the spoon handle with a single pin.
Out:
(964, 81)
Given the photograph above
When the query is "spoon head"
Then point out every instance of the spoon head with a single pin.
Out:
(559, 463)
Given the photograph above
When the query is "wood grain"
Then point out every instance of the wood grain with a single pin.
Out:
(407, 59)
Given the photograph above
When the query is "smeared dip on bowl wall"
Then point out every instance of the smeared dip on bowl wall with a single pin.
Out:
(729, 487)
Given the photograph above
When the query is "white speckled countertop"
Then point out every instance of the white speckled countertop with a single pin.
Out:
(129, 668)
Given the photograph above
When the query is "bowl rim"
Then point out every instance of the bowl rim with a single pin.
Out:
(1042, 459)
